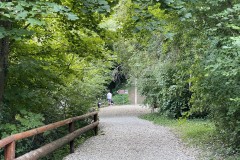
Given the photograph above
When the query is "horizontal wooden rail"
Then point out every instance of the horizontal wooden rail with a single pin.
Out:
(9, 142)
(45, 150)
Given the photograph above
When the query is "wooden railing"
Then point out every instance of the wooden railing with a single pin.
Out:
(9, 143)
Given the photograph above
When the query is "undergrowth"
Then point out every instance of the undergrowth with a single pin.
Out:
(121, 99)
(65, 150)
(199, 133)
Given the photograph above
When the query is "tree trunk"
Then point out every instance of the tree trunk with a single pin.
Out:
(4, 52)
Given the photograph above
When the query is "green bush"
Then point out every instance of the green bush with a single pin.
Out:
(191, 65)
(121, 99)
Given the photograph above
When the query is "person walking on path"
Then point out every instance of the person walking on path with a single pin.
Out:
(109, 98)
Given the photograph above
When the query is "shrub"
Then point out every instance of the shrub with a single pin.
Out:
(121, 99)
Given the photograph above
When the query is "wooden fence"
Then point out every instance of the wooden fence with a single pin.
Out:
(9, 143)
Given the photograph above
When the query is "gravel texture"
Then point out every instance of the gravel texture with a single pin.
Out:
(123, 136)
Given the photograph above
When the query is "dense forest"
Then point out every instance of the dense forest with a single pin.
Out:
(58, 56)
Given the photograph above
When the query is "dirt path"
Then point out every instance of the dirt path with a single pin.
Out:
(123, 136)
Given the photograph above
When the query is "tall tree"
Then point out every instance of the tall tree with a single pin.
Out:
(4, 51)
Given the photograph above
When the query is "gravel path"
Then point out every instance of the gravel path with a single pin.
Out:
(123, 136)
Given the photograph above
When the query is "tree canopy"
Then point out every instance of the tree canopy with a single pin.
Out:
(57, 57)
(185, 56)
(55, 62)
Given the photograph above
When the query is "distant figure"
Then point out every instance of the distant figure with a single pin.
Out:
(109, 98)
(99, 103)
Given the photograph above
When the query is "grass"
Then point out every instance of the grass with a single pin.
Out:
(199, 133)
(121, 99)
(196, 131)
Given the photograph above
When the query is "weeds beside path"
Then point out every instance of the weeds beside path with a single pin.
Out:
(198, 133)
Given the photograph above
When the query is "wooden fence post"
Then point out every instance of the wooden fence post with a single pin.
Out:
(71, 144)
(9, 151)
(95, 118)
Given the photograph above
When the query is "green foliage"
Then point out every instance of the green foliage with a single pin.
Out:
(218, 84)
(23, 121)
(59, 63)
(29, 13)
(185, 55)
(64, 151)
(121, 99)
(159, 119)
(197, 133)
